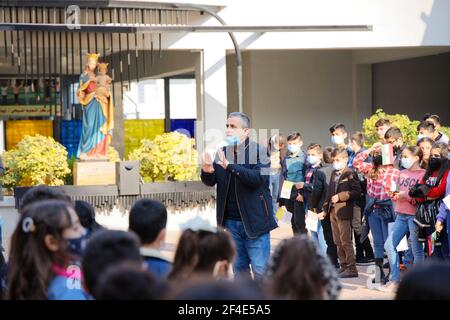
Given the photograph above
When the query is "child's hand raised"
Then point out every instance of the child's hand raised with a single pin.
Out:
(376, 147)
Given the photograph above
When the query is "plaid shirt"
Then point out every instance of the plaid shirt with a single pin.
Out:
(377, 189)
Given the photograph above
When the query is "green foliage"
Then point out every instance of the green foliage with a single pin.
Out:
(170, 156)
(35, 160)
(113, 154)
(408, 127)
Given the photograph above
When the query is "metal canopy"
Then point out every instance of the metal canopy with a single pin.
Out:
(133, 28)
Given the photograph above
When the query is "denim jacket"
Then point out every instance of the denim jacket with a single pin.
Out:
(384, 208)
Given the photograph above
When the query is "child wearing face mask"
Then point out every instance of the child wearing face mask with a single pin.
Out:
(381, 179)
(315, 189)
(343, 189)
(338, 135)
(431, 189)
(405, 208)
(394, 137)
(294, 170)
(40, 264)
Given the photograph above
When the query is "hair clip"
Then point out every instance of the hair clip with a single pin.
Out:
(28, 225)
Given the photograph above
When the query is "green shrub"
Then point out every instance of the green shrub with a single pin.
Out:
(35, 160)
(170, 156)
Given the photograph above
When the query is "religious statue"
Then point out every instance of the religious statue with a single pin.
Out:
(98, 110)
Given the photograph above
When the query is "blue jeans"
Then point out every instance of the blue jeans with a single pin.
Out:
(403, 223)
(274, 191)
(379, 228)
(250, 252)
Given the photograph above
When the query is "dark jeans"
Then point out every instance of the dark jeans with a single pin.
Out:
(298, 216)
(328, 235)
(363, 250)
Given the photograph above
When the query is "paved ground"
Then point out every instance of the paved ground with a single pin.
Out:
(352, 289)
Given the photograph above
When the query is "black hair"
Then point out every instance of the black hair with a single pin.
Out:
(40, 193)
(427, 125)
(127, 281)
(86, 214)
(434, 117)
(426, 281)
(393, 132)
(337, 126)
(294, 136)
(107, 248)
(327, 157)
(147, 219)
(444, 162)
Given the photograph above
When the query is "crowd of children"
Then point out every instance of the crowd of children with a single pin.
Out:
(391, 191)
(394, 190)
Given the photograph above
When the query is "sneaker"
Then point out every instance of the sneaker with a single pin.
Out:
(388, 287)
(349, 274)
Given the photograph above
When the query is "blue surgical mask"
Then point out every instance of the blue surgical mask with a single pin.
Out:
(76, 245)
(312, 160)
(294, 148)
(337, 140)
(232, 140)
(338, 166)
(407, 163)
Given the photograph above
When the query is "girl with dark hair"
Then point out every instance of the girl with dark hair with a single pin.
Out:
(203, 249)
(425, 145)
(381, 179)
(298, 271)
(41, 265)
(429, 192)
(86, 214)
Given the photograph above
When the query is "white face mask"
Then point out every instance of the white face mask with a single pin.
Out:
(294, 148)
(407, 163)
(420, 136)
(338, 166)
(337, 140)
(312, 160)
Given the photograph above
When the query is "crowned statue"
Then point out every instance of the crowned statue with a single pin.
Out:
(95, 96)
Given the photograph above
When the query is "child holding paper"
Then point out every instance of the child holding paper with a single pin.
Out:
(381, 179)
(294, 173)
(315, 190)
(344, 188)
(405, 208)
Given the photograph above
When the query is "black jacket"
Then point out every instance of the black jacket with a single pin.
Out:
(316, 190)
(252, 187)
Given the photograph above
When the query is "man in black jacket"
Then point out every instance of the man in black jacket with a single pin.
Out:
(244, 203)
